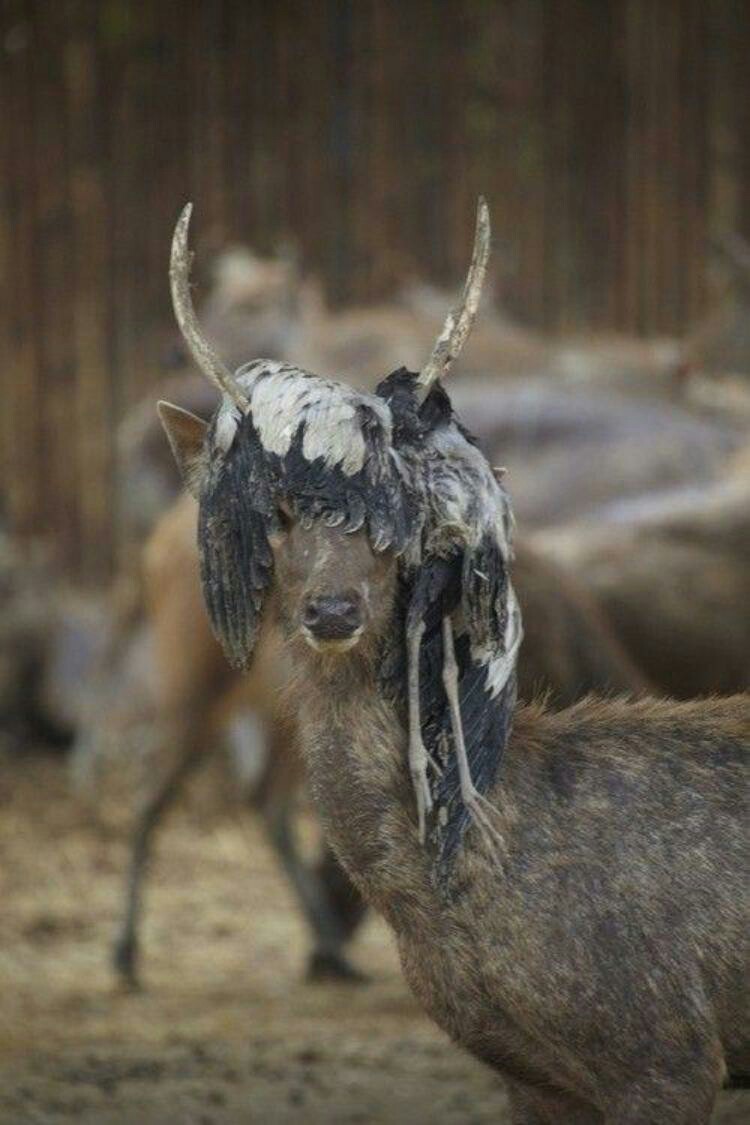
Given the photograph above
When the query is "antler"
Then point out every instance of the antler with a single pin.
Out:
(459, 322)
(200, 349)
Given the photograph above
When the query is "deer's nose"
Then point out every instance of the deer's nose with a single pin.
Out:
(332, 617)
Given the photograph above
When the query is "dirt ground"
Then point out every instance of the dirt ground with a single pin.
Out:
(225, 1032)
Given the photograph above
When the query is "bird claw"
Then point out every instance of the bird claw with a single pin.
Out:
(480, 810)
(418, 760)
(478, 807)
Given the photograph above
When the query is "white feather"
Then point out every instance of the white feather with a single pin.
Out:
(283, 398)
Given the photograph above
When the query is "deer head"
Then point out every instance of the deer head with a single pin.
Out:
(307, 479)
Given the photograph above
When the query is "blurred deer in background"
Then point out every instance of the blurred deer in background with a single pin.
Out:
(568, 889)
(265, 306)
(169, 688)
(671, 572)
(50, 638)
(545, 409)
(571, 451)
(252, 301)
(720, 342)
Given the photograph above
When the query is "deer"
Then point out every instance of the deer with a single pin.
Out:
(50, 637)
(719, 342)
(166, 697)
(568, 888)
(671, 573)
(167, 688)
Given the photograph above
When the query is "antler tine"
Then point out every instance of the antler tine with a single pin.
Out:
(200, 349)
(459, 322)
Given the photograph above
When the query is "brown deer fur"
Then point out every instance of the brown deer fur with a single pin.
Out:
(587, 935)
(597, 957)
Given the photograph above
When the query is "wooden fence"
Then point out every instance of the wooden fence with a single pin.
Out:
(611, 137)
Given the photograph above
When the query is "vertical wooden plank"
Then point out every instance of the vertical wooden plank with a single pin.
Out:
(93, 419)
(337, 207)
(634, 40)
(22, 385)
(366, 130)
(695, 94)
(14, 39)
(58, 503)
(740, 22)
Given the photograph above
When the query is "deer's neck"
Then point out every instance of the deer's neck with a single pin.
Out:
(354, 742)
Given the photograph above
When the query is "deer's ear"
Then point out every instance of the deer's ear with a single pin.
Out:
(186, 435)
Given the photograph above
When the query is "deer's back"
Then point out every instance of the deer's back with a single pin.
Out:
(615, 914)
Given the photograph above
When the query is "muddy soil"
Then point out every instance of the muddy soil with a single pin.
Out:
(225, 1031)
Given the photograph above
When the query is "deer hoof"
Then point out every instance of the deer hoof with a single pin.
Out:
(124, 960)
(327, 966)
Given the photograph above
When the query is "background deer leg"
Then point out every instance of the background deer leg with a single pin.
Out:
(327, 959)
(157, 803)
(330, 904)
(344, 897)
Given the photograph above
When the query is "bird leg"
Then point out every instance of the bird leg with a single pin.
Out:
(473, 800)
(418, 756)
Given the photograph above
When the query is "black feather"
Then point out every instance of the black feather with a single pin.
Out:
(399, 391)
(235, 515)
(485, 721)
(437, 412)
(478, 580)
(484, 589)
(377, 496)
(431, 592)
(387, 496)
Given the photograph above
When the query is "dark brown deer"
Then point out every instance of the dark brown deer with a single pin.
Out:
(169, 686)
(568, 890)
